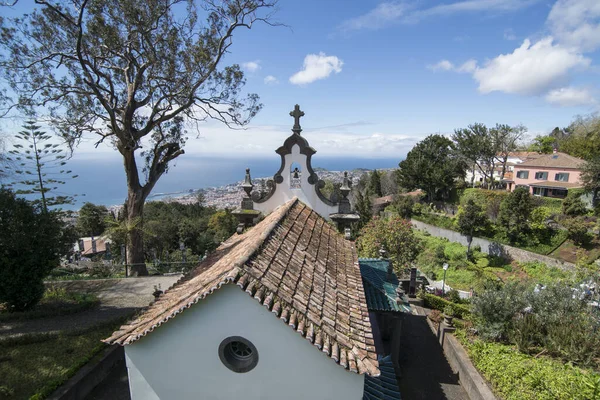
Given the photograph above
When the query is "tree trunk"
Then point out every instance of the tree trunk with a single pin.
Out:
(469, 241)
(135, 238)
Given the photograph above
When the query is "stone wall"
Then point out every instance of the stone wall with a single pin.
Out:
(493, 248)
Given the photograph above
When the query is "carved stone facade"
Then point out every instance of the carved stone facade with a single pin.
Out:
(296, 178)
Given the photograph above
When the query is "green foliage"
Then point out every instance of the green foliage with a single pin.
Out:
(541, 273)
(495, 308)
(432, 166)
(488, 200)
(518, 376)
(471, 220)
(578, 230)
(91, 220)
(590, 177)
(40, 165)
(375, 183)
(553, 319)
(573, 206)
(331, 190)
(437, 303)
(404, 206)
(31, 244)
(364, 208)
(514, 215)
(395, 234)
(543, 144)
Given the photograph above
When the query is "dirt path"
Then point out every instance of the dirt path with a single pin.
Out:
(118, 298)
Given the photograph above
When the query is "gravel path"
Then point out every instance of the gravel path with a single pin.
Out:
(118, 298)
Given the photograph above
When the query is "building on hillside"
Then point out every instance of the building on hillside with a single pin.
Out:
(549, 175)
(514, 158)
(92, 246)
(223, 331)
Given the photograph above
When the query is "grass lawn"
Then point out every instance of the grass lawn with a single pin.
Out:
(33, 366)
(56, 301)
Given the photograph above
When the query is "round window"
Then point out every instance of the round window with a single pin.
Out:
(238, 354)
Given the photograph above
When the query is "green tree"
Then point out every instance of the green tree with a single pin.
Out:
(40, 165)
(132, 73)
(471, 219)
(573, 206)
(433, 166)
(364, 208)
(222, 224)
(506, 139)
(583, 140)
(515, 211)
(396, 235)
(404, 206)
(543, 144)
(475, 145)
(590, 177)
(91, 220)
(375, 183)
(578, 230)
(32, 242)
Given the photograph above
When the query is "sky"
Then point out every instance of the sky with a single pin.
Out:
(374, 78)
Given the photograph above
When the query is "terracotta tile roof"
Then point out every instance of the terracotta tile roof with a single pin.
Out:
(557, 185)
(556, 160)
(298, 266)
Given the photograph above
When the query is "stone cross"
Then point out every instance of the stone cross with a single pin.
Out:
(297, 114)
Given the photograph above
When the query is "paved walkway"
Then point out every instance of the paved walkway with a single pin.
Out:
(425, 372)
(118, 298)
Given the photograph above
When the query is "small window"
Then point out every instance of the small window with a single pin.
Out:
(523, 174)
(562, 177)
(238, 354)
(542, 176)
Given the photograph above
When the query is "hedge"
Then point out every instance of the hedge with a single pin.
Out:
(437, 303)
(518, 376)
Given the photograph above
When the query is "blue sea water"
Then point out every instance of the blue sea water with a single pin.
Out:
(103, 182)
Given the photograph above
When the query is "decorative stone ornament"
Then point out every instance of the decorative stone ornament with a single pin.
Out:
(247, 185)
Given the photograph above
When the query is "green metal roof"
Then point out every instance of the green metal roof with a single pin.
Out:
(384, 386)
(380, 292)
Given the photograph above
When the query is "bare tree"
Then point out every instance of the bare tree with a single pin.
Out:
(133, 73)
(506, 139)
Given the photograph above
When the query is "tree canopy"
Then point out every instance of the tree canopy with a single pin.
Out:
(515, 211)
(433, 166)
(134, 73)
(91, 220)
(471, 219)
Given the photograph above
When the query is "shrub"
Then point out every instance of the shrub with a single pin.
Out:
(495, 308)
(31, 243)
(577, 229)
(404, 206)
(438, 303)
(573, 206)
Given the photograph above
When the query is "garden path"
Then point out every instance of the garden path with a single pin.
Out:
(118, 298)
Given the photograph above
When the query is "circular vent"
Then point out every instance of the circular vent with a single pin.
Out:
(238, 354)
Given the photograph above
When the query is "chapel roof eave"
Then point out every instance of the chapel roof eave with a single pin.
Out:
(329, 309)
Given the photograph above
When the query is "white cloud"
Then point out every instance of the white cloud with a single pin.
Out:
(380, 16)
(271, 80)
(468, 67)
(317, 66)
(387, 13)
(251, 66)
(570, 97)
(443, 65)
(576, 23)
(530, 69)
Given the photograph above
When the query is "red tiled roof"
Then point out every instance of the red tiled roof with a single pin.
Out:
(556, 160)
(298, 266)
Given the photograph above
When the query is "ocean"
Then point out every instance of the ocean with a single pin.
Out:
(102, 182)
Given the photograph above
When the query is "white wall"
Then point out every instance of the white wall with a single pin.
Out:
(180, 360)
(306, 193)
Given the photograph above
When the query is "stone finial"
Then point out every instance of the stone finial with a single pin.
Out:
(247, 185)
(345, 188)
(296, 113)
(382, 252)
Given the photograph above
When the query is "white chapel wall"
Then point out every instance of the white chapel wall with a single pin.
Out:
(180, 360)
(306, 193)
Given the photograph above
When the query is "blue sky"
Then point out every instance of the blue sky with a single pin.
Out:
(375, 77)
(393, 72)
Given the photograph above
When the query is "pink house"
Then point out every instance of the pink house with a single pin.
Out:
(550, 175)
